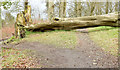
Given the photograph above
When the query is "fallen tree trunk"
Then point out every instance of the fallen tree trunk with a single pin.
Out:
(110, 17)
(79, 22)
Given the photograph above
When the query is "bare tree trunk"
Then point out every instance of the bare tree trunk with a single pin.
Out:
(111, 7)
(91, 7)
(62, 10)
(25, 4)
(75, 9)
(79, 8)
(98, 8)
(107, 7)
(50, 9)
(116, 6)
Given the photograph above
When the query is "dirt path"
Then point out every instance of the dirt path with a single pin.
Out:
(85, 55)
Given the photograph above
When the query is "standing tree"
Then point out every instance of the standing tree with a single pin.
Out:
(56, 8)
(78, 8)
(25, 4)
(50, 10)
(92, 5)
(111, 7)
(98, 8)
(62, 11)
(27, 13)
(107, 7)
(116, 6)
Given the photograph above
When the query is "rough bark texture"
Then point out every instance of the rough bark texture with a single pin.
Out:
(23, 19)
(79, 8)
(92, 8)
(50, 9)
(19, 24)
(62, 10)
(116, 6)
(25, 4)
(79, 22)
(107, 7)
(27, 15)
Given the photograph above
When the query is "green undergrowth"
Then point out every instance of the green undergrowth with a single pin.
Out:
(59, 38)
(106, 37)
(12, 58)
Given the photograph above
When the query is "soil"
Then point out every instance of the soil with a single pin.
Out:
(86, 55)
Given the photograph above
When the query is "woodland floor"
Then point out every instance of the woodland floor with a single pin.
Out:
(85, 55)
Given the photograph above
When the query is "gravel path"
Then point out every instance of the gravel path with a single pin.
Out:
(85, 55)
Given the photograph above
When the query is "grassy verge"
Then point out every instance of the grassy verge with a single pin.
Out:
(14, 58)
(106, 37)
(64, 39)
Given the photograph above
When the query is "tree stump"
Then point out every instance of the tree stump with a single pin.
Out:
(23, 19)
(20, 23)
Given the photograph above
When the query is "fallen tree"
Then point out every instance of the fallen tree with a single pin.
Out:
(110, 19)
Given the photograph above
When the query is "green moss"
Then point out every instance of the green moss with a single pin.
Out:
(101, 28)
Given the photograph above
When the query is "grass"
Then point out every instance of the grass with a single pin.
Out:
(11, 57)
(64, 39)
(106, 37)
(14, 58)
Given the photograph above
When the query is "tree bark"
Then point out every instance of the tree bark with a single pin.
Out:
(62, 10)
(78, 8)
(25, 4)
(23, 19)
(79, 22)
(107, 7)
(50, 9)
(116, 6)
(92, 8)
